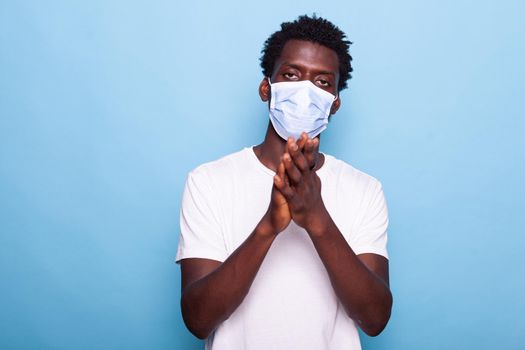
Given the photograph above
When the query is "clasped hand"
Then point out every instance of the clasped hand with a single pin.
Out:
(296, 192)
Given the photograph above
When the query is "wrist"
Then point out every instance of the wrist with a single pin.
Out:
(265, 228)
(319, 222)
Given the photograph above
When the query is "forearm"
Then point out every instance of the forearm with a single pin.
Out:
(365, 296)
(210, 300)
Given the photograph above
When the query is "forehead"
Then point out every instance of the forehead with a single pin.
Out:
(309, 55)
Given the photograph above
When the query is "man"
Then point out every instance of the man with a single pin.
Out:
(283, 247)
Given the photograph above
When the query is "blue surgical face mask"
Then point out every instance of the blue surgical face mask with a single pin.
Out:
(298, 106)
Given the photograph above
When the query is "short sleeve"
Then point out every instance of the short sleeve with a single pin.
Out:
(200, 229)
(371, 233)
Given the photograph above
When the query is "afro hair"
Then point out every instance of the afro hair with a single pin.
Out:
(314, 29)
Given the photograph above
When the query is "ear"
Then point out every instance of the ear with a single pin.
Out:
(264, 90)
(335, 105)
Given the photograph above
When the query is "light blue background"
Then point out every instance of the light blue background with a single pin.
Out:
(106, 105)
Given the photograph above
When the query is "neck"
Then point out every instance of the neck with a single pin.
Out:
(270, 151)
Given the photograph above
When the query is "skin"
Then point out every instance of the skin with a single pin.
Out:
(211, 290)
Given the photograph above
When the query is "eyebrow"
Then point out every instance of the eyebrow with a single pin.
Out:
(299, 68)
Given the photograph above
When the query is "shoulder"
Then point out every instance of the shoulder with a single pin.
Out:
(344, 173)
(219, 168)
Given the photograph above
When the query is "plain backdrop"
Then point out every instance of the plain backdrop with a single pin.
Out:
(105, 106)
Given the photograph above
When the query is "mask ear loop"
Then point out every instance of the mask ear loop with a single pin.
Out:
(270, 100)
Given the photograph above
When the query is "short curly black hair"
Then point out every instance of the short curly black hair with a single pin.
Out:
(315, 29)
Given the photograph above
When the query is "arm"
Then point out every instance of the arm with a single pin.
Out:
(211, 291)
(360, 282)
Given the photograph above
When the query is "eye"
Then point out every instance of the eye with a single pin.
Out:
(290, 76)
(323, 83)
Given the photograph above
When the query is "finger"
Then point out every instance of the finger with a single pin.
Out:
(302, 140)
(315, 152)
(281, 176)
(277, 195)
(281, 182)
(282, 170)
(299, 159)
(294, 174)
(308, 153)
(311, 152)
(316, 146)
(293, 147)
(290, 141)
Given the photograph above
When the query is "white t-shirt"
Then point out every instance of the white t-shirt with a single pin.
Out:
(291, 303)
